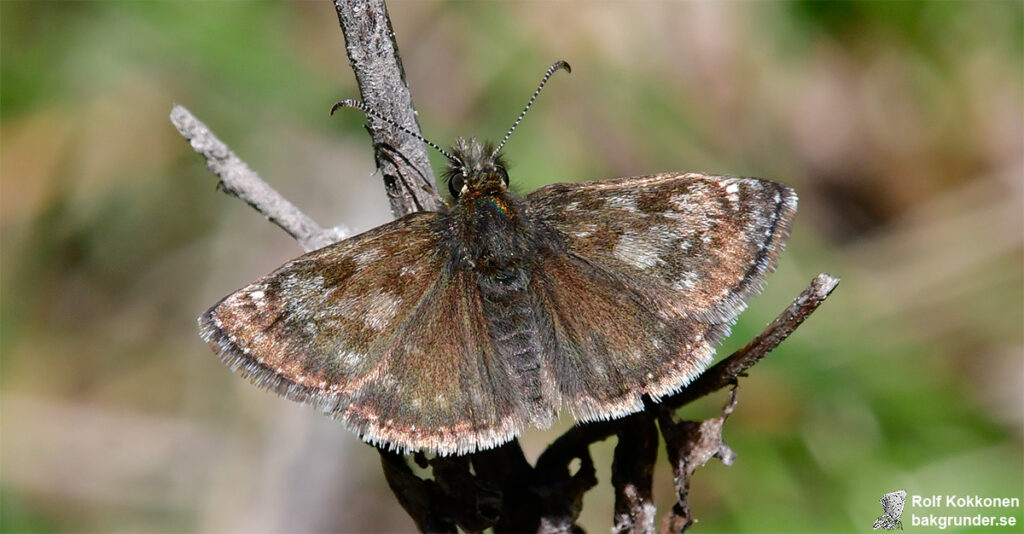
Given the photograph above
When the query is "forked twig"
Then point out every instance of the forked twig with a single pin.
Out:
(691, 444)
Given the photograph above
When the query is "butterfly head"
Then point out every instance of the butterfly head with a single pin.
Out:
(475, 167)
(472, 166)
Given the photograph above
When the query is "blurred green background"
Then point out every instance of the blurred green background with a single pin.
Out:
(900, 125)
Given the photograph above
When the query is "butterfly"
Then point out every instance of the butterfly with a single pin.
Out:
(452, 331)
(892, 506)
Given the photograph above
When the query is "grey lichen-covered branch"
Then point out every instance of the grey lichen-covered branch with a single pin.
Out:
(373, 55)
(237, 179)
(499, 488)
(401, 159)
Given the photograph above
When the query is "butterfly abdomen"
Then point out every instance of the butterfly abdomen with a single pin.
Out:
(499, 250)
(513, 330)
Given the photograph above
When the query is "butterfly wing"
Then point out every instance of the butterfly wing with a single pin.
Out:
(640, 278)
(378, 331)
(703, 242)
(608, 344)
(892, 503)
(884, 522)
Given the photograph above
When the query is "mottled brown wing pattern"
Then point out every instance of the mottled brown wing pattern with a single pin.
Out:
(701, 242)
(643, 277)
(609, 344)
(445, 390)
(377, 331)
(630, 284)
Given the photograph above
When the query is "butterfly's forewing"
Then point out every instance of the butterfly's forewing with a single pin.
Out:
(892, 503)
(701, 242)
(377, 331)
(641, 277)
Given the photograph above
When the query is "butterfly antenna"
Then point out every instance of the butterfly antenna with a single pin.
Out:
(352, 103)
(560, 64)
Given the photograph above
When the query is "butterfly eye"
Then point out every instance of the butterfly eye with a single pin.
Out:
(455, 185)
(504, 175)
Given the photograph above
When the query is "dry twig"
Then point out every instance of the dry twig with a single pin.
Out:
(373, 55)
(690, 445)
(237, 179)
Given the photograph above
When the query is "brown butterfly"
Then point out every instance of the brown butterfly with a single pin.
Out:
(451, 331)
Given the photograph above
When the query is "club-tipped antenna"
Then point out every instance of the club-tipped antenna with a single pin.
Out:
(560, 64)
(352, 103)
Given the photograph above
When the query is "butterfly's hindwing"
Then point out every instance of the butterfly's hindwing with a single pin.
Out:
(608, 343)
(445, 388)
(706, 241)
